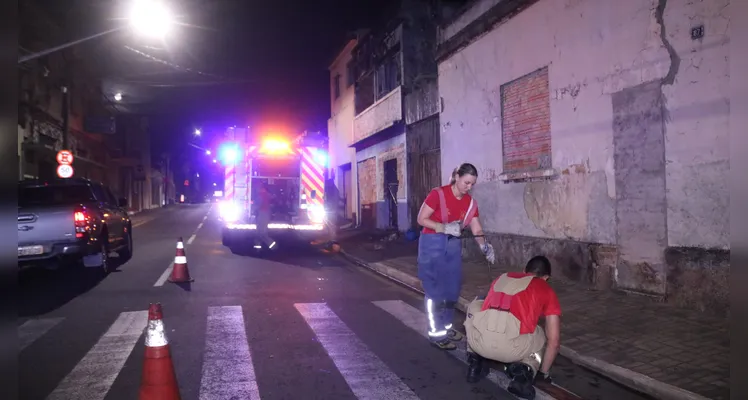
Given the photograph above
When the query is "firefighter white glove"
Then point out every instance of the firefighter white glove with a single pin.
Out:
(489, 253)
(453, 229)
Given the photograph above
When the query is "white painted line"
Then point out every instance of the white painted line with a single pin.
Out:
(162, 279)
(34, 329)
(191, 239)
(417, 320)
(366, 375)
(228, 372)
(94, 375)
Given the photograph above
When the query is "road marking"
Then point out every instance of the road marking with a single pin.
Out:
(366, 375)
(191, 239)
(34, 329)
(228, 372)
(94, 375)
(143, 222)
(162, 279)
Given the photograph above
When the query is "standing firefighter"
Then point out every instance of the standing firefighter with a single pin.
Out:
(446, 211)
(264, 214)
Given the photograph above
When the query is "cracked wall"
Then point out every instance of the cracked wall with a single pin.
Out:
(597, 51)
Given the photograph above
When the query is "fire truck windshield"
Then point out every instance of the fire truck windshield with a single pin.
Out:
(272, 167)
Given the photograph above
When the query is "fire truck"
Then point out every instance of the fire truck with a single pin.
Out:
(292, 170)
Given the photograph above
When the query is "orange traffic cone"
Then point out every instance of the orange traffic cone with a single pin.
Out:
(179, 272)
(159, 381)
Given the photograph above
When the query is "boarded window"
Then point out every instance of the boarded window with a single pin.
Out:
(526, 123)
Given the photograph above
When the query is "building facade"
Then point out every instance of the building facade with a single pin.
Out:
(600, 131)
(395, 89)
(342, 157)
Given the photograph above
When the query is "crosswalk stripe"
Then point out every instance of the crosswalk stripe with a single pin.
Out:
(228, 372)
(94, 375)
(34, 329)
(415, 319)
(366, 375)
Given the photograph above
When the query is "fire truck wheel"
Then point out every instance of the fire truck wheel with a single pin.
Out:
(226, 238)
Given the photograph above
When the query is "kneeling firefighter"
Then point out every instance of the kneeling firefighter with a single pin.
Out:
(446, 211)
(504, 327)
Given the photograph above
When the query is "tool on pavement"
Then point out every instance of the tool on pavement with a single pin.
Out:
(159, 381)
(179, 272)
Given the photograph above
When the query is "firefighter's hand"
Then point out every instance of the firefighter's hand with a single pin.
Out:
(453, 229)
(489, 253)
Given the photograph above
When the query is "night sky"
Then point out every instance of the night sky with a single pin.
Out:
(253, 62)
(276, 53)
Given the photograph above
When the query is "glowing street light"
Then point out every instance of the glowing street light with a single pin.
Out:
(151, 18)
(207, 152)
(197, 132)
(146, 17)
(118, 96)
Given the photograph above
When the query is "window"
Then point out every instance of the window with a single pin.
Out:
(336, 86)
(350, 74)
(388, 75)
(526, 124)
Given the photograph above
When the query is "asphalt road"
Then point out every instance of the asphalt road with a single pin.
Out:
(299, 324)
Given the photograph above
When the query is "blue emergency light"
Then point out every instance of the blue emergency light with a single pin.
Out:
(229, 153)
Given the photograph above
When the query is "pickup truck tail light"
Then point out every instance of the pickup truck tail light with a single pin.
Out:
(82, 222)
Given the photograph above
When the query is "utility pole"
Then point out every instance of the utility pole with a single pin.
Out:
(65, 115)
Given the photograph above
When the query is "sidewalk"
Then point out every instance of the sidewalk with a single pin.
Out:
(655, 348)
(141, 217)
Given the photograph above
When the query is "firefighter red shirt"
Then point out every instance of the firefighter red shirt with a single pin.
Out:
(456, 208)
(538, 300)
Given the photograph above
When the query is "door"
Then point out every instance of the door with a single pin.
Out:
(390, 191)
(367, 178)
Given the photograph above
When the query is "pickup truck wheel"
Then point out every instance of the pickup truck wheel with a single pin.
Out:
(126, 253)
(100, 260)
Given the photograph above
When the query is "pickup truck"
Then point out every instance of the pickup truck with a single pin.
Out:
(71, 222)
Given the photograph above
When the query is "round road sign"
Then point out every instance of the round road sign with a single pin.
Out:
(64, 171)
(64, 157)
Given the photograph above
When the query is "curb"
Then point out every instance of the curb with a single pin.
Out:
(626, 377)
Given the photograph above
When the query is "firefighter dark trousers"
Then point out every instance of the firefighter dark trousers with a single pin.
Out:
(440, 271)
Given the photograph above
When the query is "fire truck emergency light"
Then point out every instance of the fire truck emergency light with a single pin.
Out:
(275, 146)
(229, 153)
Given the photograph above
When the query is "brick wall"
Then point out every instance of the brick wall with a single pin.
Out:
(526, 122)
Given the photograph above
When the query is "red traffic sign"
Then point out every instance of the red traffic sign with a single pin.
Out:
(64, 157)
(64, 171)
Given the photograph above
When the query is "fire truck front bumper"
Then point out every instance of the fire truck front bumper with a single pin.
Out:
(277, 227)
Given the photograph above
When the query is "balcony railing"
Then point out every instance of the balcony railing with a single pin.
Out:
(384, 113)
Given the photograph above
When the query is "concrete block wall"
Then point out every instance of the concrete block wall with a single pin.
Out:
(639, 142)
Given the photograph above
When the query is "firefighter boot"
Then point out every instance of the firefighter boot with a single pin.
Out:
(475, 367)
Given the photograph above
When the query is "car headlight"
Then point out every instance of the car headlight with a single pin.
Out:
(317, 214)
(230, 212)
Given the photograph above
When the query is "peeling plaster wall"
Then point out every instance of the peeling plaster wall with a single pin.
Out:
(393, 148)
(595, 50)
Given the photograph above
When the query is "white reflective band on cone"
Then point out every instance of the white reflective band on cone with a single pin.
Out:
(271, 245)
(180, 245)
(155, 335)
(180, 260)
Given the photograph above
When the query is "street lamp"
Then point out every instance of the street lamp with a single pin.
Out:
(118, 96)
(150, 18)
(197, 132)
(146, 17)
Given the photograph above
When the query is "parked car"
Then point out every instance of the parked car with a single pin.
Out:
(71, 222)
